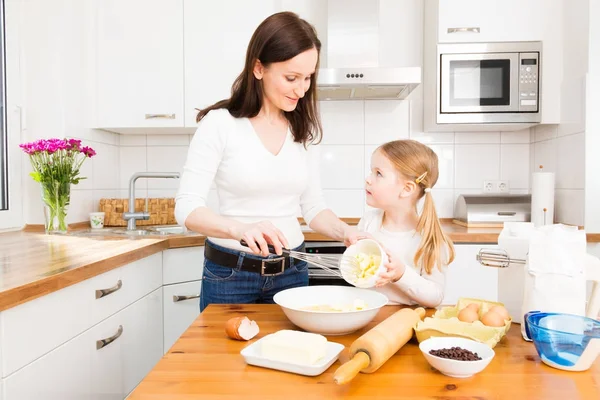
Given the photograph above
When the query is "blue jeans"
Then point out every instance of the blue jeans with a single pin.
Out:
(226, 285)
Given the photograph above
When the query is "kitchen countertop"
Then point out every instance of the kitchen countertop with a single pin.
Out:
(204, 363)
(33, 264)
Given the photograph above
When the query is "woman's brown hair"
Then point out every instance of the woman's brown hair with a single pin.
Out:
(419, 163)
(278, 38)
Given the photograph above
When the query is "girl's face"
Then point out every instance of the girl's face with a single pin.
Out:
(286, 82)
(384, 185)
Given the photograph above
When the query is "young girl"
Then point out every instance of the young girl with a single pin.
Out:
(402, 172)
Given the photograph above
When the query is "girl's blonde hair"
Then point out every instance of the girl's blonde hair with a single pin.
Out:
(419, 163)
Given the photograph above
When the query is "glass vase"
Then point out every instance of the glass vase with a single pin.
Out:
(56, 196)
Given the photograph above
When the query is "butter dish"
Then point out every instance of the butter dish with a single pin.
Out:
(253, 356)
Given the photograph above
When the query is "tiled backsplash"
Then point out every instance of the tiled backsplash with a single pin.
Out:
(352, 130)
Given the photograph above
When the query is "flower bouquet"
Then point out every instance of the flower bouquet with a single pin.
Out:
(56, 164)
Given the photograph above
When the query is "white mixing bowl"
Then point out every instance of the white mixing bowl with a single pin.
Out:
(292, 302)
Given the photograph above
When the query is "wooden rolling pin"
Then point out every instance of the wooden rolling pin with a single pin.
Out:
(375, 347)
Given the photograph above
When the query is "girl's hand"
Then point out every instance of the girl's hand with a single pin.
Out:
(353, 235)
(394, 270)
(259, 235)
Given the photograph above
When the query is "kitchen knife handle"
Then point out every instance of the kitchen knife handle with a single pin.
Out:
(349, 370)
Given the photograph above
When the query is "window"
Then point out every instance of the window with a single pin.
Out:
(3, 125)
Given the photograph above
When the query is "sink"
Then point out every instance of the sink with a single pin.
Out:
(149, 231)
(174, 230)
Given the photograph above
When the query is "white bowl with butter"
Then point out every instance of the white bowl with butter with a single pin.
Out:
(371, 259)
(330, 310)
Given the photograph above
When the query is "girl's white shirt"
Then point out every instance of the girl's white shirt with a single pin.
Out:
(252, 183)
(415, 286)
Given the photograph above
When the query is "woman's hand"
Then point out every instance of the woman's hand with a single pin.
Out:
(394, 270)
(259, 235)
(353, 235)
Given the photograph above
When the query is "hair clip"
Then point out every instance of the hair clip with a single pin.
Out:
(427, 190)
(421, 177)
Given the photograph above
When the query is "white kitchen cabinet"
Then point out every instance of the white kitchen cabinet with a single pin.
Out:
(496, 20)
(182, 278)
(62, 374)
(181, 307)
(36, 327)
(105, 362)
(105, 348)
(216, 38)
(139, 63)
(142, 338)
(467, 278)
(183, 264)
(75, 370)
(460, 21)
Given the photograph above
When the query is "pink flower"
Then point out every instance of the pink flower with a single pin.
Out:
(88, 151)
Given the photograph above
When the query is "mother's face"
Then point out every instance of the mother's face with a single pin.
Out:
(286, 82)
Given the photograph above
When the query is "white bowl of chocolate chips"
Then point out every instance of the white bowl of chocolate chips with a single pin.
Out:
(456, 357)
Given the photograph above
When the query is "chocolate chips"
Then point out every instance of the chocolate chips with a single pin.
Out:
(456, 353)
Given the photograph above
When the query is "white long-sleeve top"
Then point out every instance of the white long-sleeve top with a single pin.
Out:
(415, 286)
(252, 183)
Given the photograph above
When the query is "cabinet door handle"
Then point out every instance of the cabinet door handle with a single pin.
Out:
(160, 116)
(507, 213)
(177, 298)
(105, 292)
(105, 342)
(474, 29)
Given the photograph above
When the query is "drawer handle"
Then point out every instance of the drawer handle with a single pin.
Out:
(100, 293)
(160, 116)
(507, 213)
(177, 298)
(474, 29)
(105, 342)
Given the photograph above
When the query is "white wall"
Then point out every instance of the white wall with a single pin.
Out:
(58, 85)
(592, 119)
(59, 72)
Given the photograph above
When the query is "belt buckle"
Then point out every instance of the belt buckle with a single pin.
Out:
(266, 261)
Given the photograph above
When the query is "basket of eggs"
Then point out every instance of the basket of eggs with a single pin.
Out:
(484, 321)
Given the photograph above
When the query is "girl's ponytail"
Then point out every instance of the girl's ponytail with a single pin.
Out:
(435, 249)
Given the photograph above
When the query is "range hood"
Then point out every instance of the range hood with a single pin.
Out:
(351, 56)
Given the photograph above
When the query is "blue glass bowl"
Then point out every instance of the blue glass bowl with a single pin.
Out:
(564, 341)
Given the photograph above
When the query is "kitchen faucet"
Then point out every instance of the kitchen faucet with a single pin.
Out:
(131, 216)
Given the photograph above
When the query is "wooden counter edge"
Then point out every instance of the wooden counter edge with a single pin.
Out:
(43, 286)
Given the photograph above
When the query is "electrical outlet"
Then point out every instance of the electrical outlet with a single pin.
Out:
(502, 186)
(489, 187)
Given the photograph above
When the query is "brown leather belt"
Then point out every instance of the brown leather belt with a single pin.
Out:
(261, 265)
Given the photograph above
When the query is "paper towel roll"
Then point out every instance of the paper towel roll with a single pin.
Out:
(542, 198)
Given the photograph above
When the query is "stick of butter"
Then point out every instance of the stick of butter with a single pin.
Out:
(294, 347)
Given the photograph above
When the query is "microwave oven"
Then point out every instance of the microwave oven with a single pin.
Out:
(482, 83)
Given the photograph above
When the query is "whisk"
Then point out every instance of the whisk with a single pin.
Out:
(339, 265)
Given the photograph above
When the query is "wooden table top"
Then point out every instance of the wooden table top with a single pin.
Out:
(205, 364)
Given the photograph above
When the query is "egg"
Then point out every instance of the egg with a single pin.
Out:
(502, 311)
(473, 306)
(490, 318)
(468, 315)
(241, 328)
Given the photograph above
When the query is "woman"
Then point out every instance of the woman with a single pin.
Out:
(256, 147)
